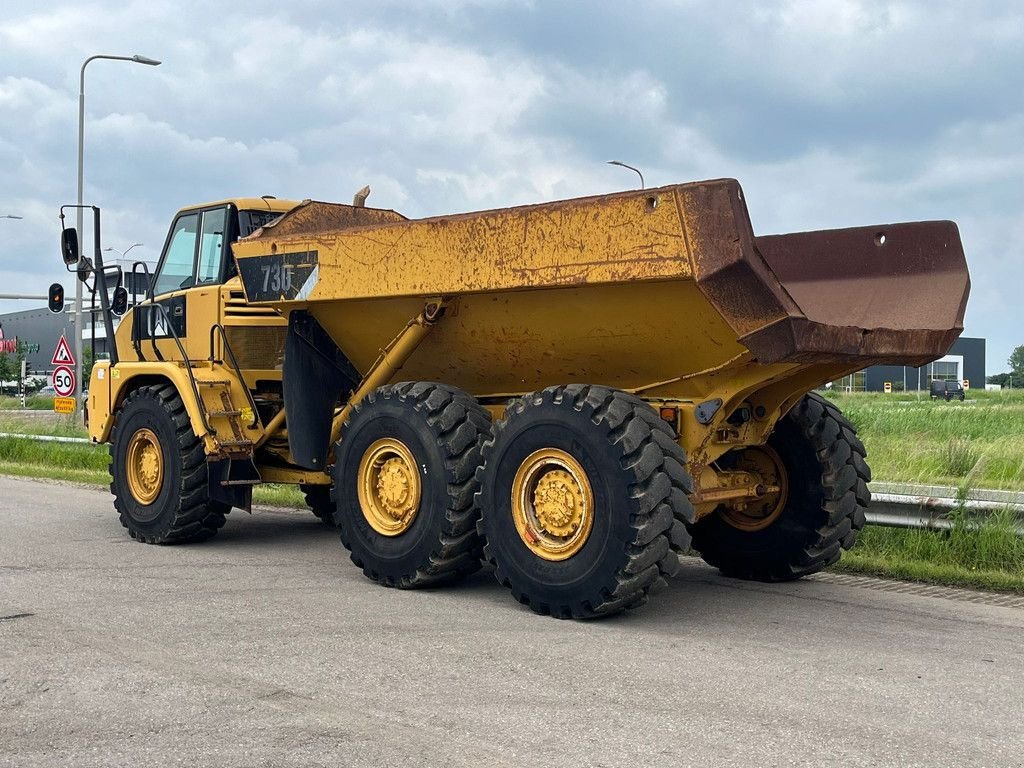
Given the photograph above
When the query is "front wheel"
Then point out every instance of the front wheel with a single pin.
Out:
(158, 471)
(821, 504)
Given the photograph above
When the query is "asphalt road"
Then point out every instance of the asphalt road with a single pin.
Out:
(267, 647)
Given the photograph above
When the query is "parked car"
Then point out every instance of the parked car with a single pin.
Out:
(47, 390)
(947, 390)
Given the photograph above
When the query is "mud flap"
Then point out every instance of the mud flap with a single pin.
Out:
(316, 375)
(231, 481)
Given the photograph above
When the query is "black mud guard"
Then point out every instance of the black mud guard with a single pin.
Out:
(231, 480)
(316, 375)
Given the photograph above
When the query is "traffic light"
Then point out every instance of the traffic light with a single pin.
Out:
(56, 299)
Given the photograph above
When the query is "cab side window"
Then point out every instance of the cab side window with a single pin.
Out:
(211, 246)
(176, 271)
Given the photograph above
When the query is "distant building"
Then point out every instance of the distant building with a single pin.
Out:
(965, 362)
(40, 329)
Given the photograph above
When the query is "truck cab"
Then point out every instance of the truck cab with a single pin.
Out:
(192, 329)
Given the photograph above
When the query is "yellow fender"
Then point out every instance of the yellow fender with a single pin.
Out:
(109, 386)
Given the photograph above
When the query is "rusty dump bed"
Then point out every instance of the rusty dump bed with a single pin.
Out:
(631, 289)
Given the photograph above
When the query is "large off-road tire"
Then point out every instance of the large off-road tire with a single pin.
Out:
(320, 502)
(158, 471)
(405, 484)
(827, 478)
(579, 492)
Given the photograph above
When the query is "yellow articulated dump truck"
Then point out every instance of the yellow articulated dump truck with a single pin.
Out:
(574, 392)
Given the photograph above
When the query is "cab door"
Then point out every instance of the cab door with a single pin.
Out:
(186, 296)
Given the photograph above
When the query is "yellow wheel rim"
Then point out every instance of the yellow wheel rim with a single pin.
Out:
(145, 466)
(761, 512)
(552, 504)
(389, 487)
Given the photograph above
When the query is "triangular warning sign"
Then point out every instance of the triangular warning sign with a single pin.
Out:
(62, 355)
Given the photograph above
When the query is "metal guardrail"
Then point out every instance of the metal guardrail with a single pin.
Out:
(936, 507)
(48, 438)
(897, 505)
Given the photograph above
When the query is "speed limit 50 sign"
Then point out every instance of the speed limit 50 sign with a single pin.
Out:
(63, 380)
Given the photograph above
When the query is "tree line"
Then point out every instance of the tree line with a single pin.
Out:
(1014, 378)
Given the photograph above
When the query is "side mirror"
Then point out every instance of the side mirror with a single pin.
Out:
(119, 302)
(69, 246)
(84, 268)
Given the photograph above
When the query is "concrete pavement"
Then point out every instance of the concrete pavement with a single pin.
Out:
(266, 647)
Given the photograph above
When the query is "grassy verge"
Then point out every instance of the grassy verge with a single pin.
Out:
(988, 557)
(19, 422)
(939, 443)
(32, 403)
(83, 463)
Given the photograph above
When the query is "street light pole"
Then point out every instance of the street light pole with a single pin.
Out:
(10, 216)
(78, 218)
(124, 253)
(630, 167)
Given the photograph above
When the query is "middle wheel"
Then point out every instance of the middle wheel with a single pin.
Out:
(405, 482)
(579, 490)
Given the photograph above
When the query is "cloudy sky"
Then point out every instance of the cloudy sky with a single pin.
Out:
(830, 112)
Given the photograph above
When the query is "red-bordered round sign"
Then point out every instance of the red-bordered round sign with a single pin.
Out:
(63, 380)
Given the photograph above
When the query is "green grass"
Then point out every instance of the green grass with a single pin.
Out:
(32, 403)
(939, 443)
(84, 463)
(53, 459)
(19, 422)
(275, 495)
(990, 556)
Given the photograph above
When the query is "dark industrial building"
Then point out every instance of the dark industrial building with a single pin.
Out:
(39, 330)
(964, 362)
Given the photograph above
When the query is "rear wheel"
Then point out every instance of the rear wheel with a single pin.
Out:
(821, 473)
(158, 471)
(318, 497)
(405, 484)
(580, 488)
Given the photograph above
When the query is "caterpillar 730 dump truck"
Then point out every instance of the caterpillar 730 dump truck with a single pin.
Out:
(573, 392)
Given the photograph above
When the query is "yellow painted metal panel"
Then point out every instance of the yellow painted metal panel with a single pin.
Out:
(624, 237)
(626, 335)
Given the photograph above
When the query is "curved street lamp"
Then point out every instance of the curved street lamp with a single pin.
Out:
(124, 253)
(136, 59)
(630, 167)
(10, 216)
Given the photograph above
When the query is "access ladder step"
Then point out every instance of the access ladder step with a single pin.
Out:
(213, 382)
(255, 481)
(234, 443)
(223, 413)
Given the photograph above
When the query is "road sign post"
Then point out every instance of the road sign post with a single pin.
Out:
(63, 378)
